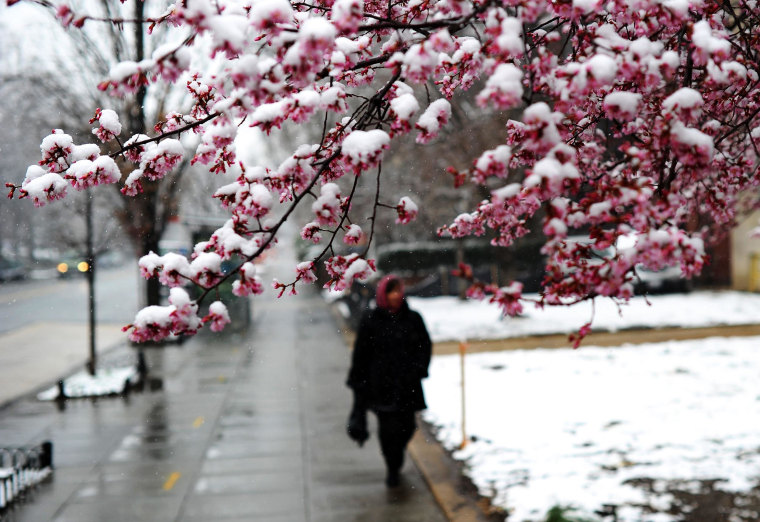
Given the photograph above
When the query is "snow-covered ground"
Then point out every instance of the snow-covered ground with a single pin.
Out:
(106, 381)
(449, 319)
(571, 427)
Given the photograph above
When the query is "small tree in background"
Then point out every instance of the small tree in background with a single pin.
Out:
(66, 81)
(634, 119)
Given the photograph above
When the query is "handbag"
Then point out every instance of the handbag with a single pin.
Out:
(356, 427)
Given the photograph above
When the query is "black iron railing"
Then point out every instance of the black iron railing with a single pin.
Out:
(23, 468)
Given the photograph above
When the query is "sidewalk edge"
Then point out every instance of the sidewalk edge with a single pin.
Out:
(454, 492)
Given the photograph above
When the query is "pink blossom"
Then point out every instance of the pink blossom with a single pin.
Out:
(509, 299)
(354, 235)
(403, 108)
(42, 186)
(492, 163)
(133, 185)
(108, 124)
(134, 151)
(206, 269)
(347, 15)
(218, 316)
(269, 15)
(150, 264)
(435, 116)
(305, 272)
(504, 87)
(248, 282)
(327, 206)
(310, 232)
(157, 161)
(344, 270)
(175, 270)
(363, 149)
(407, 210)
(153, 323)
(56, 149)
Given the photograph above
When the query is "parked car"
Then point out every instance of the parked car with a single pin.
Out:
(667, 279)
(11, 270)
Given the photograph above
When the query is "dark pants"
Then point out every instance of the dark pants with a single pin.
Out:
(395, 430)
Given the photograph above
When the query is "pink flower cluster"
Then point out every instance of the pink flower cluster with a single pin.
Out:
(175, 270)
(435, 116)
(85, 173)
(81, 165)
(311, 232)
(354, 235)
(156, 323)
(328, 206)
(108, 124)
(343, 270)
(245, 198)
(248, 282)
(218, 316)
(363, 150)
(407, 211)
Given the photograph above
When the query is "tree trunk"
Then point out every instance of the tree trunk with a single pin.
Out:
(152, 287)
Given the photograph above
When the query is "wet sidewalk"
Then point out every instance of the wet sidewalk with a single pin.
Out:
(245, 428)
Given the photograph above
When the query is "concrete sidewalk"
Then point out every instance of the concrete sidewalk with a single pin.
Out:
(55, 349)
(245, 428)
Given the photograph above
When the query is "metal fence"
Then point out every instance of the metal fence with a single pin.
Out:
(23, 468)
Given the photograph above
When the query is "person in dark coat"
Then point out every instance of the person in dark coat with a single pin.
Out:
(390, 358)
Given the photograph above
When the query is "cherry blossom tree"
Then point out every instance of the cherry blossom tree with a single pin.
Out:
(70, 62)
(634, 117)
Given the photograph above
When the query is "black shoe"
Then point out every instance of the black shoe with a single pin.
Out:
(393, 479)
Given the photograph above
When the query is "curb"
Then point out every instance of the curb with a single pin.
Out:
(455, 494)
(599, 338)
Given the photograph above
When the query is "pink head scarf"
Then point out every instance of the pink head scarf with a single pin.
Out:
(381, 291)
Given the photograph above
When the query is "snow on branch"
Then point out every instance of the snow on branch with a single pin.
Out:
(623, 123)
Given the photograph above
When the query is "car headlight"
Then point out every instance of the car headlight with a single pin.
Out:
(83, 266)
(62, 268)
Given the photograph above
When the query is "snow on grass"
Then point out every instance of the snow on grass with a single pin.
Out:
(570, 427)
(105, 382)
(449, 319)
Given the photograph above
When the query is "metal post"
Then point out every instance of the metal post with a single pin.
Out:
(462, 351)
(46, 458)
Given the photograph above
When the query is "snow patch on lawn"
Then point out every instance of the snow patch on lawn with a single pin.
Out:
(570, 427)
(450, 319)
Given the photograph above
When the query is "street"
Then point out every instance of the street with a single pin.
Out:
(44, 330)
(65, 300)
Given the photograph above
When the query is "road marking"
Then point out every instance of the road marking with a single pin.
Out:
(198, 422)
(173, 478)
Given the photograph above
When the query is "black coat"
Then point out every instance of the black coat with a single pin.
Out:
(391, 356)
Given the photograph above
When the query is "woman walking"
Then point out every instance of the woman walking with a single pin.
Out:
(391, 357)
